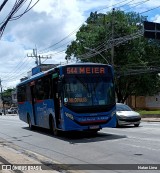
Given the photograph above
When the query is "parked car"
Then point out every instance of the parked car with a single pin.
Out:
(12, 110)
(126, 116)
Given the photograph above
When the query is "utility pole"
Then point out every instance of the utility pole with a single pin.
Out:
(112, 48)
(2, 97)
(38, 57)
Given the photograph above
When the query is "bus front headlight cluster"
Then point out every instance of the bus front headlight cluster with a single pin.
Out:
(113, 113)
(69, 116)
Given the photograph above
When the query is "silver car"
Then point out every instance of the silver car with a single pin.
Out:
(126, 116)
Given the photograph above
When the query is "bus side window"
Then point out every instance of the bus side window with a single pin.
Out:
(21, 96)
(46, 88)
(28, 93)
(39, 92)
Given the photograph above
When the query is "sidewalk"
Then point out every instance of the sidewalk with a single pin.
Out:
(22, 161)
(151, 119)
(14, 159)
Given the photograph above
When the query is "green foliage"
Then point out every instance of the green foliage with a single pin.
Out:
(8, 92)
(132, 60)
(145, 112)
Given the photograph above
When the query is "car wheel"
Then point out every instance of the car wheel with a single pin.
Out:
(136, 125)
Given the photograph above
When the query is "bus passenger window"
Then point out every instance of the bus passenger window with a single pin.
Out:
(46, 88)
(21, 94)
(39, 91)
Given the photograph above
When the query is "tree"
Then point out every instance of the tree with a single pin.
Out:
(133, 61)
(7, 96)
(8, 92)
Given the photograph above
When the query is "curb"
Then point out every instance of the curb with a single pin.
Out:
(150, 119)
(20, 160)
(13, 159)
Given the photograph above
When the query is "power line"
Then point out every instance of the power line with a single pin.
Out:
(115, 42)
(12, 78)
(46, 49)
(38, 57)
(114, 5)
(15, 9)
(150, 9)
(27, 9)
(18, 66)
(70, 34)
(136, 4)
(66, 38)
(3, 4)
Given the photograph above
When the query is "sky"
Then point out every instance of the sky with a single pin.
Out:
(49, 27)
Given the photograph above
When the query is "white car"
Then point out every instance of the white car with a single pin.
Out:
(126, 116)
(12, 110)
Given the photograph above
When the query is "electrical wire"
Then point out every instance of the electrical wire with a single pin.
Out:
(62, 51)
(136, 4)
(45, 50)
(70, 34)
(16, 7)
(112, 5)
(150, 10)
(17, 68)
(3, 4)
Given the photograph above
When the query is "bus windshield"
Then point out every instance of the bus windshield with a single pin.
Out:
(85, 91)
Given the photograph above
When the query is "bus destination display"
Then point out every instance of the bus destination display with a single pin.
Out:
(86, 70)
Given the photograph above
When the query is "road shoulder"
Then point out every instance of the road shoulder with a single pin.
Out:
(16, 159)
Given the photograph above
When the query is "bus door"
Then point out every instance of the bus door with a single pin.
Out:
(57, 101)
(32, 87)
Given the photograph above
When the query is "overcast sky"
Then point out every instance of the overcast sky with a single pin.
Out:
(49, 22)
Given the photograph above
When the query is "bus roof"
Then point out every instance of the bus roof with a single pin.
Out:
(41, 74)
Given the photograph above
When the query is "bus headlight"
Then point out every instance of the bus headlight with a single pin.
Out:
(113, 113)
(69, 116)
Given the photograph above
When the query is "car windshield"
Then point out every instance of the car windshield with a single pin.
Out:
(89, 91)
(121, 107)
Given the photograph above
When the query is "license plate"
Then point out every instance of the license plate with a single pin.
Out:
(94, 127)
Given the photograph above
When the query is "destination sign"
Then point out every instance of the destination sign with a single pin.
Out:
(86, 70)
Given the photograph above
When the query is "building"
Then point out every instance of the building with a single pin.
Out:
(14, 97)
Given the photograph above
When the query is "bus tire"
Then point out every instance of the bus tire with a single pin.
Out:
(30, 123)
(52, 126)
(117, 124)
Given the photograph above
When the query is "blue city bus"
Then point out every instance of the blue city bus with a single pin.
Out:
(72, 97)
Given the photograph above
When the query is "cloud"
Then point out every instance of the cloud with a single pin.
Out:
(44, 26)
(156, 18)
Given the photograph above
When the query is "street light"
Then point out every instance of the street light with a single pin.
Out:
(93, 50)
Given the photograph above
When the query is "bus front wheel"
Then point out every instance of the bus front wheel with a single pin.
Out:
(52, 127)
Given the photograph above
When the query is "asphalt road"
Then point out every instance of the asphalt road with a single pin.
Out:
(127, 145)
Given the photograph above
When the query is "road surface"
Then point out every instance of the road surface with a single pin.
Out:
(127, 145)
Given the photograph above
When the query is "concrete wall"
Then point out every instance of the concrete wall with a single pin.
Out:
(144, 102)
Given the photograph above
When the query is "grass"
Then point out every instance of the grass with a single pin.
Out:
(145, 112)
